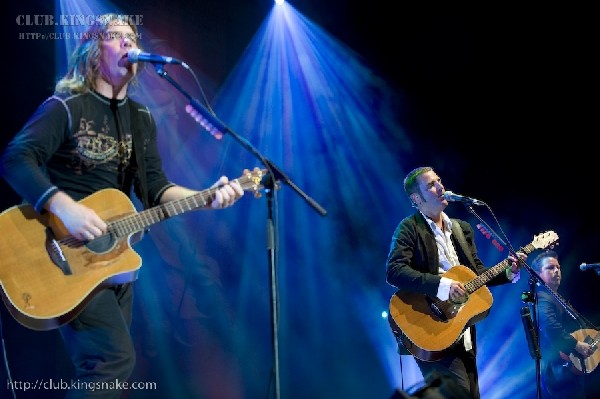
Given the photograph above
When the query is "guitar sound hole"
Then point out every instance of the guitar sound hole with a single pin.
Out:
(459, 302)
(101, 244)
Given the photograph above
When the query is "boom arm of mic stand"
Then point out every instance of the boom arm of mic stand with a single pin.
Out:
(532, 273)
(217, 127)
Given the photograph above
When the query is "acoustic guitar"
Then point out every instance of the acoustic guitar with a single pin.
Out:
(428, 327)
(47, 276)
(584, 365)
(563, 373)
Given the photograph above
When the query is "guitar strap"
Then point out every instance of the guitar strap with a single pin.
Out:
(137, 164)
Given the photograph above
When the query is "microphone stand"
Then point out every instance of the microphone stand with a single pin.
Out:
(533, 332)
(533, 336)
(217, 128)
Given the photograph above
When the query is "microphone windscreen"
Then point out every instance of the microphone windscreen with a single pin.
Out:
(133, 55)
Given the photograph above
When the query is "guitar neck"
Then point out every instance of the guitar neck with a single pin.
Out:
(146, 218)
(595, 340)
(249, 181)
(493, 271)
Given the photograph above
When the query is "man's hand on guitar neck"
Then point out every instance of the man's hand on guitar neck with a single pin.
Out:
(515, 264)
(226, 194)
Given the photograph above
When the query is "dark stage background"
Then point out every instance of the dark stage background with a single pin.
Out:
(499, 99)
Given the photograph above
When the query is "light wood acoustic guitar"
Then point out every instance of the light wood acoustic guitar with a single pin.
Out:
(428, 327)
(563, 373)
(584, 365)
(47, 276)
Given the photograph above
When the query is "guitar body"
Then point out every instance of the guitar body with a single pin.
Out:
(43, 290)
(428, 326)
(584, 365)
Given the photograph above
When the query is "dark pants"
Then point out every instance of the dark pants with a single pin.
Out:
(100, 344)
(559, 380)
(460, 365)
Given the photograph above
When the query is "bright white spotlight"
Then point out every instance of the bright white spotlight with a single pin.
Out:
(384, 314)
(279, 2)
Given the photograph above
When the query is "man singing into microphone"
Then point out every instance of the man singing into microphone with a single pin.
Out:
(424, 246)
(87, 137)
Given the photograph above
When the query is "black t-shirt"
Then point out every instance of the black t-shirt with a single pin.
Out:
(80, 144)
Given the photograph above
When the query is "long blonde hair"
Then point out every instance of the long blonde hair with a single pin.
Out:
(84, 64)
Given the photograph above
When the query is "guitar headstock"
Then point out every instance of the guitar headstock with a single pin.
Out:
(547, 239)
(255, 180)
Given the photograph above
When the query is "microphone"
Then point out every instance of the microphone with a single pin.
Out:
(589, 266)
(530, 333)
(452, 197)
(136, 55)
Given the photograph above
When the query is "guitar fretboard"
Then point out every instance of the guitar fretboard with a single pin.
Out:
(492, 272)
(144, 219)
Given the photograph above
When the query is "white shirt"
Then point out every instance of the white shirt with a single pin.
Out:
(448, 258)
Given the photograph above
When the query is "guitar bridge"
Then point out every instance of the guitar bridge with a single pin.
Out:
(437, 310)
(56, 253)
